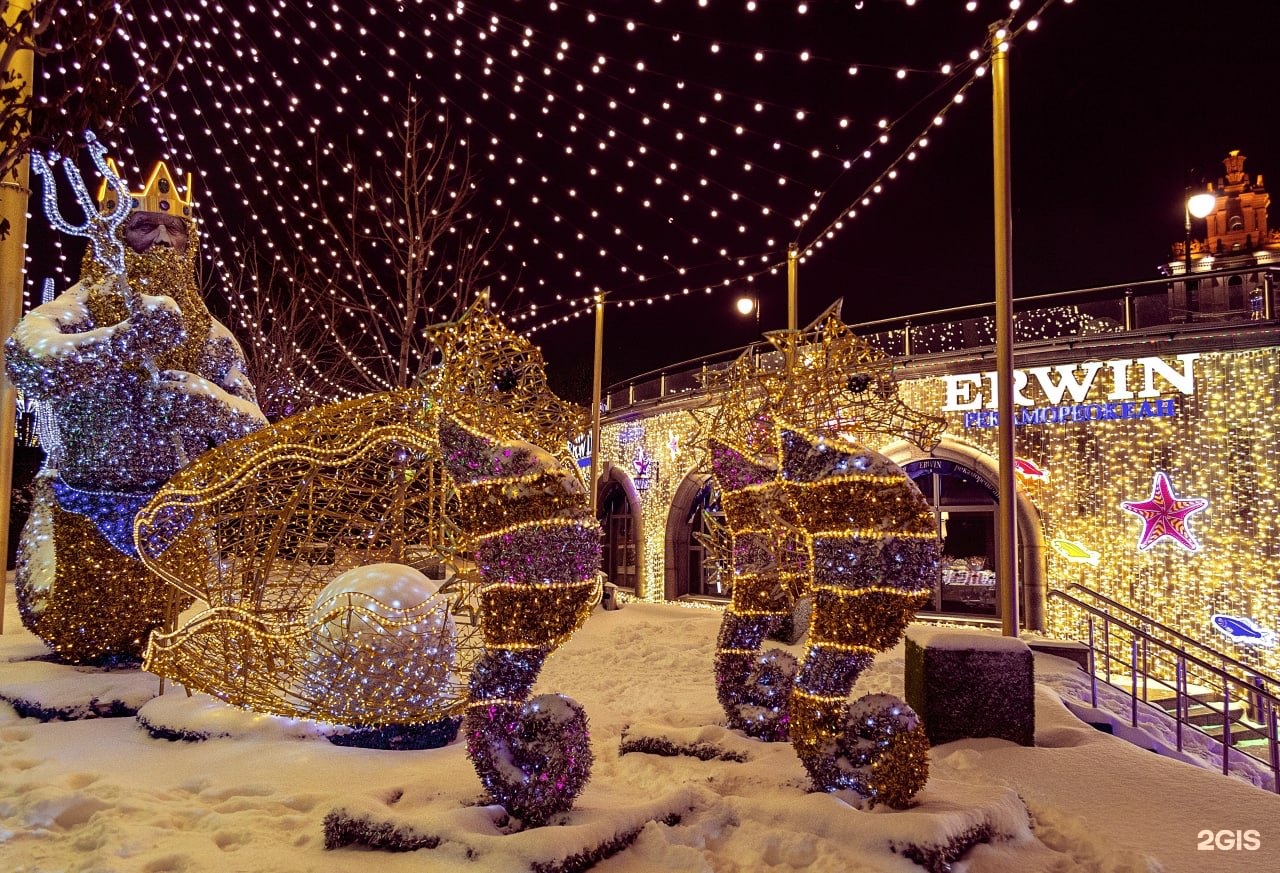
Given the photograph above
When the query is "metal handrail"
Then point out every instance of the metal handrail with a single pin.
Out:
(1142, 641)
(1224, 658)
(1121, 293)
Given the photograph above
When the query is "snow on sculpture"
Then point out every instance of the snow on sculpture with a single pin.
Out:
(874, 555)
(306, 540)
(139, 379)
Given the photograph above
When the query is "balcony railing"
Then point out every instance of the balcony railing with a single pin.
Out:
(1109, 310)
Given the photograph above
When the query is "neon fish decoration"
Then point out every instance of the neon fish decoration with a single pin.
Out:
(1076, 553)
(1030, 470)
(1243, 631)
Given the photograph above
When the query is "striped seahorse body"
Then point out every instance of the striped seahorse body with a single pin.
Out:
(753, 687)
(873, 557)
(537, 550)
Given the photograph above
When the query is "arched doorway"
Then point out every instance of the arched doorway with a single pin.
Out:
(959, 483)
(691, 521)
(706, 522)
(619, 517)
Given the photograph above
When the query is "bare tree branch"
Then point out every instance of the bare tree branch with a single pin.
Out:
(76, 88)
(288, 359)
(402, 249)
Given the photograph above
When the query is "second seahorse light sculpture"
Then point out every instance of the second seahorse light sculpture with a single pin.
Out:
(809, 512)
(873, 554)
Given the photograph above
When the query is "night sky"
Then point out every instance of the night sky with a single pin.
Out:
(1115, 104)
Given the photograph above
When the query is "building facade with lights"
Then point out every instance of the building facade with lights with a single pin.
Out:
(1148, 466)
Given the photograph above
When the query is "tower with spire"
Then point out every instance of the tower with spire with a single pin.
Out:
(1236, 237)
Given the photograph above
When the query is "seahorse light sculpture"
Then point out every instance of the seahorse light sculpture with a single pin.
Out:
(829, 382)
(537, 549)
(523, 511)
(873, 554)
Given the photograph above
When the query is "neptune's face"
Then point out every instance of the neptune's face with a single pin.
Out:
(146, 230)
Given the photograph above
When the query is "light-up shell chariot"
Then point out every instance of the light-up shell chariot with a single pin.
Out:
(265, 530)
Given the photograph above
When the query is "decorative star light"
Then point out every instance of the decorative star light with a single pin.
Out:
(1164, 514)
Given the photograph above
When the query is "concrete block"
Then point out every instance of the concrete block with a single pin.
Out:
(970, 684)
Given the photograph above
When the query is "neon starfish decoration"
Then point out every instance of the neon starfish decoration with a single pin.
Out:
(1164, 514)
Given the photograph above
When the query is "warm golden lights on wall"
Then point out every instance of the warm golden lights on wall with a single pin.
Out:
(1223, 445)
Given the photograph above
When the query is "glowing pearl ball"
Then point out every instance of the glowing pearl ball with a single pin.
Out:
(380, 630)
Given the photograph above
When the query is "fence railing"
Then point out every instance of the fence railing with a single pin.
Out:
(1232, 297)
(1138, 654)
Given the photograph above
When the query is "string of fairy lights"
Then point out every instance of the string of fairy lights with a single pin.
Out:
(643, 154)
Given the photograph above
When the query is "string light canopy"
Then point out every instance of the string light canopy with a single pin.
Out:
(643, 153)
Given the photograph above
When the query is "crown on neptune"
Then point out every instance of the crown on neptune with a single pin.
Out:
(160, 194)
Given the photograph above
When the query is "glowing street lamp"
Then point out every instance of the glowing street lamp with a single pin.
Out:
(747, 306)
(1198, 205)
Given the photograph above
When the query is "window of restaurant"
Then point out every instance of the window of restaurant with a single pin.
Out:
(964, 505)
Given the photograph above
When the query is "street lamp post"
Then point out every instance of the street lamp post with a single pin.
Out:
(1007, 512)
(1198, 205)
(747, 306)
(593, 494)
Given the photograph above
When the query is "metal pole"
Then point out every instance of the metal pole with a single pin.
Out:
(1186, 244)
(793, 297)
(1179, 687)
(1273, 734)
(793, 301)
(1146, 664)
(1093, 669)
(596, 368)
(14, 192)
(1226, 726)
(1106, 644)
(1133, 681)
(1007, 513)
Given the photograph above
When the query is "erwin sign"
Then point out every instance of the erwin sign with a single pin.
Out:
(1125, 388)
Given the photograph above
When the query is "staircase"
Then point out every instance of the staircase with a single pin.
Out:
(1200, 688)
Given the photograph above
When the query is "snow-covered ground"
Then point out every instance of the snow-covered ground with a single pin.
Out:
(102, 795)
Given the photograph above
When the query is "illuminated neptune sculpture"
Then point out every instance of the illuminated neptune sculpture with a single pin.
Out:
(140, 379)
